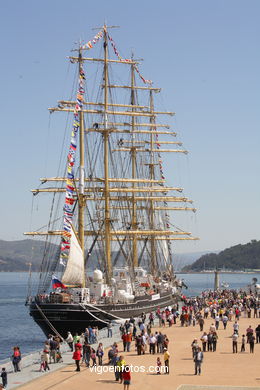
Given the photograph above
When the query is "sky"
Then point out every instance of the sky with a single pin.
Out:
(203, 54)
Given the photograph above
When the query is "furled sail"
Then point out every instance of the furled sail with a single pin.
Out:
(74, 271)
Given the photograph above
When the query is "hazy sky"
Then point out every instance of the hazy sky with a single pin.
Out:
(205, 57)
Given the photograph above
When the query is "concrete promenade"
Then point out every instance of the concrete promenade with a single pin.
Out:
(220, 370)
(31, 362)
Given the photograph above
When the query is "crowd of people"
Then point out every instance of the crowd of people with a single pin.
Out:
(223, 308)
(133, 332)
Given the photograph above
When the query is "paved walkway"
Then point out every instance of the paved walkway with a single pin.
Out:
(209, 387)
(220, 370)
(31, 363)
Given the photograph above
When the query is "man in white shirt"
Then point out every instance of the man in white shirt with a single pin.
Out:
(152, 343)
(236, 327)
(234, 342)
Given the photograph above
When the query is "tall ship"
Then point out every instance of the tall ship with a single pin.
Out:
(108, 242)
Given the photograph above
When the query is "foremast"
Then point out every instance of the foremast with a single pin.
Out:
(81, 194)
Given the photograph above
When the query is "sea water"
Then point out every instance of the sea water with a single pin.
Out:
(18, 328)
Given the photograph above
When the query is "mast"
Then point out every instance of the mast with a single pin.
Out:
(152, 176)
(106, 164)
(81, 196)
(133, 155)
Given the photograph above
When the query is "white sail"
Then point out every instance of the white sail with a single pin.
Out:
(164, 245)
(74, 271)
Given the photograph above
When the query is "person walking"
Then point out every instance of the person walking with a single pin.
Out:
(109, 329)
(225, 320)
(100, 353)
(201, 323)
(69, 340)
(257, 333)
(234, 342)
(194, 347)
(236, 326)
(158, 366)
(86, 353)
(204, 340)
(243, 343)
(16, 358)
(46, 359)
(126, 376)
(93, 357)
(252, 343)
(152, 343)
(217, 321)
(53, 350)
(128, 341)
(210, 348)
(214, 341)
(249, 332)
(166, 357)
(124, 337)
(198, 359)
(160, 343)
(121, 363)
(4, 377)
(77, 357)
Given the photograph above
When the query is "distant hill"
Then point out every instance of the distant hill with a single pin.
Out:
(15, 254)
(236, 258)
(180, 260)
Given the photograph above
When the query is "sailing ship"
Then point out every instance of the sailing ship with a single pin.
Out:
(111, 206)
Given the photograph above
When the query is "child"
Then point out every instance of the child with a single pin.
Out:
(100, 353)
(159, 364)
(93, 357)
(126, 376)
(46, 359)
(243, 343)
(42, 366)
(59, 357)
(4, 377)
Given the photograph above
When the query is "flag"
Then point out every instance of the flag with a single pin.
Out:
(57, 283)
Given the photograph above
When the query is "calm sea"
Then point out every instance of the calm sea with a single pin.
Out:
(18, 328)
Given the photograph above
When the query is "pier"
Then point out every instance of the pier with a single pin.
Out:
(220, 370)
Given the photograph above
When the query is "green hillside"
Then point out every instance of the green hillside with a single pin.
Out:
(15, 254)
(237, 258)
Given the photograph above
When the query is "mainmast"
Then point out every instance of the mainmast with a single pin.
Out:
(81, 196)
(106, 164)
(133, 155)
(152, 176)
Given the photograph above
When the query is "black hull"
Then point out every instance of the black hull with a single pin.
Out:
(73, 317)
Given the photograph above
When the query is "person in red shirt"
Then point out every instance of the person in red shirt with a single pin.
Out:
(124, 338)
(77, 357)
(78, 345)
(126, 375)
(128, 341)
